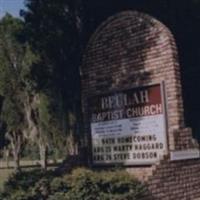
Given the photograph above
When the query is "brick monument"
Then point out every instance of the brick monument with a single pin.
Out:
(132, 106)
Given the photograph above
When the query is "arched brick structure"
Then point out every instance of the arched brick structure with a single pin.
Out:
(133, 49)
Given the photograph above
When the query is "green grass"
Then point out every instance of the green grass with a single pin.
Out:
(26, 165)
(4, 174)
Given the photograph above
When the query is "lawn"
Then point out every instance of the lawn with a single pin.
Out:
(26, 165)
(4, 174)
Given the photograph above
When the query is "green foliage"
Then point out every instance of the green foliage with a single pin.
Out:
(80, 184)
(10, 59)
(25, 179)
(106, 185)
(16, 57)
(12, 113)
(30, 151)
(16, 60)
(44, 118)
(57, 72)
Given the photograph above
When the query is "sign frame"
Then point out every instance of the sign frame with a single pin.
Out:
(186, 154)
(165, 129)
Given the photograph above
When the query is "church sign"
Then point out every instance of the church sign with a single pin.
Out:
(128, 127)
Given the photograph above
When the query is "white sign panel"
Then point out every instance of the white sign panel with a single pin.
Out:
(128, 127)
(185, 154)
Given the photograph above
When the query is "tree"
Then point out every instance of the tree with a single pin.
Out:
(43, 125)
(16, 59)
(54, 33)
(12, 115)
(26, 110)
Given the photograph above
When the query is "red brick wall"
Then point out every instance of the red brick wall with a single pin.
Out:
(133, 49)
(178, 180)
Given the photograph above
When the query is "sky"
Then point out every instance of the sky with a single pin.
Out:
(11, 6)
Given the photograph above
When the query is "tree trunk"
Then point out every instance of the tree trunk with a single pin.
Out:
(16, 157)
(16, 141)
(43, 156)
(7, 155)
(31, 117)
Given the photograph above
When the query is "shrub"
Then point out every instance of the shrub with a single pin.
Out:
(81, 184)
(24, 185)
(117, 185)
